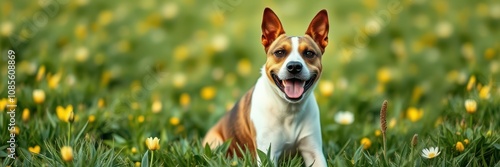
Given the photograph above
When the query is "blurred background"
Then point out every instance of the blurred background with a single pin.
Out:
(173, 68)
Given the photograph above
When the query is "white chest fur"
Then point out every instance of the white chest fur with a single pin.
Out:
(285, 126)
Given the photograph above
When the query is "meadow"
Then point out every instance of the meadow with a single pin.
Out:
(95, 79)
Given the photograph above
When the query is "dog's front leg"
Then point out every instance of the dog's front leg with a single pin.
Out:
(276, 149)
(312, 151)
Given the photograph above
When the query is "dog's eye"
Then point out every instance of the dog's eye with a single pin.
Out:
(279, 53)
(309, 54)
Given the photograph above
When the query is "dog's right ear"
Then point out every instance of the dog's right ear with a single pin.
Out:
(271, 28)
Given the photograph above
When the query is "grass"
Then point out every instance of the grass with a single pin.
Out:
(133, 70)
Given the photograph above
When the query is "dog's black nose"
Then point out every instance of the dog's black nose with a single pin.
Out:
(294, 67)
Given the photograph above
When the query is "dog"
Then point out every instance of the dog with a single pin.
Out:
(280, 112)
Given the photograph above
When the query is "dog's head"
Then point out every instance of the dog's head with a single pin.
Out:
(293, 63)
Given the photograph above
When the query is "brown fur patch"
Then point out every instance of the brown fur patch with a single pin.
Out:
(273, 63)
(314, 64)
(235, 126)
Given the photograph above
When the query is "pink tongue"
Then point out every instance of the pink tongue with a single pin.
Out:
(293, 88)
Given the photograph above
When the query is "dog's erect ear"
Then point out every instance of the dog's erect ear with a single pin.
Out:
(318, 29)
(271, 28)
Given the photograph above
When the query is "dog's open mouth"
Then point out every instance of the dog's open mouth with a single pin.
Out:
(294, 88)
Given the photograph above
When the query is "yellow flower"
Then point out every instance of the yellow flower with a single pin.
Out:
(234, 163)
(489, 133)
(466, 141)
(106, 77)
(38, 96)
(40, 73)
(133, 150)
(244, 67)
(134, 105)
(392, 123)
(105, 17)
(153, 144)
(11, 103)
(3, 103)
(174, 121)
(370, 4)
(417, 93)
(100, 103)
(181, 53)
(65, 114)
(326, 88)
(414, 114)
(135, 86)
(489, 54)
(123, 46)
(140, 119)
(470, 106)
(137, 164)
(53, 80)
(156, 106)
(468, 51)
(471, 83)
(35, 149)
(81, 31)
(378, 133)
(384, 75)
(367, 143)
(67, 153)
(208, 92)
(15, 130)
(484, 92)
(184, 100)
(216, 19)
(91, 118)
(26, 114)
(459, 147)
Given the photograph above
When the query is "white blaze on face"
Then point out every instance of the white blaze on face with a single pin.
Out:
(294, 84)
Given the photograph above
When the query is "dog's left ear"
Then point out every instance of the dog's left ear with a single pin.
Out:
(318, 29)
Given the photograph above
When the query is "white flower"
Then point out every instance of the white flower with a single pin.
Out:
(430, 153)
(372, 27)
(170, 10)
(444, 29)
(6, 28)
(344, 117)
(220, 42)
(81, 54)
